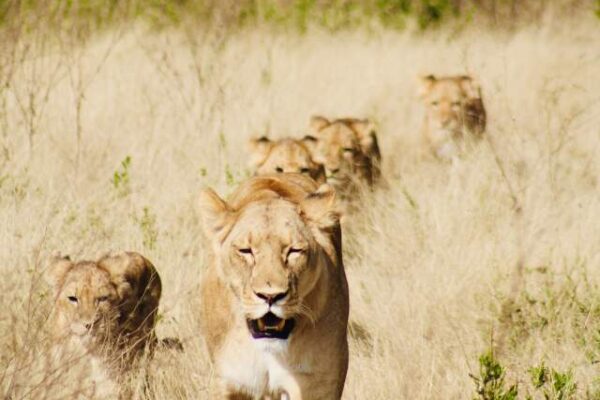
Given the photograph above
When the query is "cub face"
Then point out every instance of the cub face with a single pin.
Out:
(453, 107)
(284, 156)
(346, 147)
(87, 301)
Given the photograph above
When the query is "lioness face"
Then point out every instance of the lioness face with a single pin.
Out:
(446, 102)
(270, 252)
(285, 156)
(338, 148)
(87, 301)
(270, 266)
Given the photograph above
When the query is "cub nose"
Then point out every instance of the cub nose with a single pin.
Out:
(272, 298)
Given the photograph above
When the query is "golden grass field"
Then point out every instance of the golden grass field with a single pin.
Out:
(500, 248)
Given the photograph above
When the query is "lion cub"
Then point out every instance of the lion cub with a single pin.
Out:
(275, 297)
(453, 109)
(348, 149)
(106, 309)
(284, 156)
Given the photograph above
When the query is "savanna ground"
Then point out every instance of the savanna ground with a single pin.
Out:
(107, 138)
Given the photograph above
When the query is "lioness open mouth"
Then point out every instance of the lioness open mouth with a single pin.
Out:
(270, 326)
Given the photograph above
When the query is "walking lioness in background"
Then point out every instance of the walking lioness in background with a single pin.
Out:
(284, 156)
(348, 149)
(105, 309)
(275, 297)
(453, 110)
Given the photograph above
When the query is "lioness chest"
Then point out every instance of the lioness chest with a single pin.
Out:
(267, 367)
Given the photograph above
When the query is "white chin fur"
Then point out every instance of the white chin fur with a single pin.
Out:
(278, 346)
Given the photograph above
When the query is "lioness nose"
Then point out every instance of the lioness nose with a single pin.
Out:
(272, 298)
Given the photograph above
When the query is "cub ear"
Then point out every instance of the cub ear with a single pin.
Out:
(471, 87)
(58, 267)
(259, 150)
(425, 84)
(215, 213)
(320, 207)
(318, 122)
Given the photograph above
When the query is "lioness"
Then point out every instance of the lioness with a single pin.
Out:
(453, 108)
(106, 307)
(284, 155)
(275, 297)
(348, 149)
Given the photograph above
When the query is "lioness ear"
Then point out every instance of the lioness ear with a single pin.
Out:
(425, 84)
(318, 122)
(57, 269)
(470, 87)
(131, 272)
(259, 150)
(215, 213)
(310, 142)
(365, 130)
(321, 208)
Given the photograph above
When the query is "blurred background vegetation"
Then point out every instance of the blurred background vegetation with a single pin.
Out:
(331, 15)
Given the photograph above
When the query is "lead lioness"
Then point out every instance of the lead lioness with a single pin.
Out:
(284, 156)
(275, 297)
(348, 149)
(453, 110)
(106, 308)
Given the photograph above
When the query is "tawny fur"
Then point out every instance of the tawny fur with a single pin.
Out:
(349, 150)
(105, 309)
(284, 156)
(454, 111)
(270, 215)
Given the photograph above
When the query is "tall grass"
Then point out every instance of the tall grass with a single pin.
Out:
(107, 137)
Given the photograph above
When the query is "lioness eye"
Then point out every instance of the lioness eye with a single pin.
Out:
(72, 299)
(434, 103)
(295, 250)
(245, 251)
(304, 170)
(348, 150)
(102, 298)
(455, 103)
(279, 169)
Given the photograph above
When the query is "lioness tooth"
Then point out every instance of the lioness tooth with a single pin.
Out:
(281, 325)
(261, 324)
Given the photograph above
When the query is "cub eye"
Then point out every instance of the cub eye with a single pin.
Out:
(304, 170)
(101, 299)
(245, 251)
(279, 170)
(348, 150)
(434, 103)
(455, 103)
(72, 299)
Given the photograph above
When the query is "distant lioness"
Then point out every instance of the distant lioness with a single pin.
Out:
(453, 108)
(284, 156)
(107, 307)
(348, 149)
(275, 296)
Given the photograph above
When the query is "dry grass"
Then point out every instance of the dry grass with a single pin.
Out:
(432, 262)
